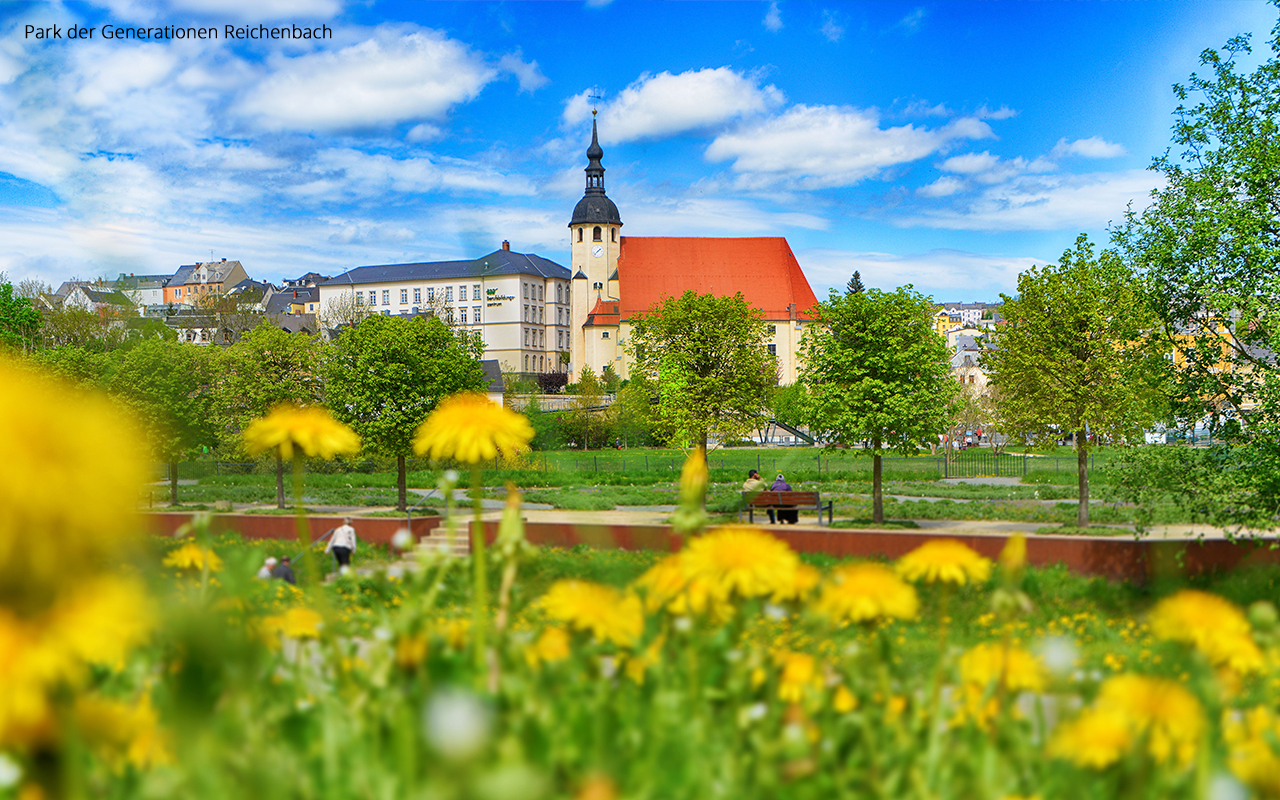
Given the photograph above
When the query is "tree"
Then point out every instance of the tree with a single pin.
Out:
(1071, 358)
(266, 368)
(631, 415)
(788, 404)
(585, 423)
(19, 322)
(609, 379)
(855, 283)
(168, 385)
(876, 372)
(1208, 250)
(386, 374)
(31, 288)
(709, 359)
(343, 311)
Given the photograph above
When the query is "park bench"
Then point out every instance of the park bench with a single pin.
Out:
(784, 501)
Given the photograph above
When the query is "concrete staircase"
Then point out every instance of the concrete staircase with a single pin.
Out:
(438, 541)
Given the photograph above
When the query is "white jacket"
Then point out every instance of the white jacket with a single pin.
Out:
(344, 536)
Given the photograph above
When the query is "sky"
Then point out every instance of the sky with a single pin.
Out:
(948, 145)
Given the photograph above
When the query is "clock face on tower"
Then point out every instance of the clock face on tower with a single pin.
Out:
(597, 251)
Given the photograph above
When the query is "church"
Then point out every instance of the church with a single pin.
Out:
(616, 277)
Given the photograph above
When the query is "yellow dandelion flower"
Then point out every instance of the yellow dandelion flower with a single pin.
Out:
(799, 676)
(122, 733)
(988, 665)
(667, 585)
(472, 429)
(411, 651)
(1013, 556)
(1210, 624)
(946, 561)
(456, 631)
(296, 623)
(311, 429)
(1250, 753)
(551, 646)
(866, 592)
(694, 476)
(603, 611)
(193, 557)
(1096, 739)
(803, 581)
(844, 700)
(71, 472)
(737, 561)
(639, 665)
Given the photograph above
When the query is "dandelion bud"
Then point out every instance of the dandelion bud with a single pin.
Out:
(402, 540)
(1263, 616)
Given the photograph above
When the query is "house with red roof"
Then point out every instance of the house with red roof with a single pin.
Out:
(616, 277)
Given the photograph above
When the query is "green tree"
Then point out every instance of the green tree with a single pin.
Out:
(789, 403)
(267, 367)
(585, 421)
(1071, 358)
(1208, 249)
(876, 373)
(709, 359)
(855, 283)
(631, 415)
(87, 368)
(609, 378)
(386, 374)
(19, 322)
(168, 385)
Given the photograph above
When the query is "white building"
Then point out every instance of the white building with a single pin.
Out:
(519, 302)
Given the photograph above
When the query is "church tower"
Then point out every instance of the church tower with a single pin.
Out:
(595, 240)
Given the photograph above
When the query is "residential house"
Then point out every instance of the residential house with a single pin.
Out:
(105, 303)
(193, 282)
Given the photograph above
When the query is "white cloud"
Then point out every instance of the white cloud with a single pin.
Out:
(942, 187)
(947, 275)
(970, 163)
(831, 27)
(384, 80)
(1093, 147)
(342, 173)
(921, 108)
(822, 146)
(1003, 112)
(773, 18)
(911, 22)
(527, 73)
(1045, 203)
(664, 104)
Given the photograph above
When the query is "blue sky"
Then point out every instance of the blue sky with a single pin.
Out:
(948, 145)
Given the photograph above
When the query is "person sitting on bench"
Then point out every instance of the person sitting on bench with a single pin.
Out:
(756, 485)
(789, 515)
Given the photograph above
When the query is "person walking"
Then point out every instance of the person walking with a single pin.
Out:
(343, 544)
(267, 566)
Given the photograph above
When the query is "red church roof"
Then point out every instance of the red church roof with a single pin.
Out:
(604, 313)
(764, 270)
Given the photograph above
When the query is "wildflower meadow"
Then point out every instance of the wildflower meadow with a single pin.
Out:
(133, 667)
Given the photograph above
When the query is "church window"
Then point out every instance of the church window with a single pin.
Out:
(604, 335)
(579, 234)
(614, 233)
(595, 235)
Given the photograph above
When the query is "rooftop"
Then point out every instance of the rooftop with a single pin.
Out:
(499, 262)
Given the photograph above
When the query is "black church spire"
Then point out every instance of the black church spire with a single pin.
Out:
(595, 207)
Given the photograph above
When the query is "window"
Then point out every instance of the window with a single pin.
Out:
(971, 377)
(526, 314)
(359, 298)
(559, 339)
(475, 314)
(539, 293)
(386, 313)
(431, 294)
(386, 297)
(415, 309)
(525, 286)
(526, 363)
(558, 300)
(448, 294)
(773, 330)
(604, 335)
(462, 293)
(773, 349)
(475, 291)
(204, 337)
(404, 295)
(579, 234)
(614, 231)
(417, 295)
(462, 316)
(526, 337)
(448, 315)
(177, 292)
(373, 297)
(542, 364)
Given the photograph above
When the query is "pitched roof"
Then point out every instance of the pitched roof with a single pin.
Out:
(764, 270)
(604, 313)
(499, 262)
(110, 297)
(218, 272)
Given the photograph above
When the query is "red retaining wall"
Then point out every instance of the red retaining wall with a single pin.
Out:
(1114, 558)
(375, 530)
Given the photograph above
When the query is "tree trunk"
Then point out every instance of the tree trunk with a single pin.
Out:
(1082, 470)
(702, 442)
(877, 494)
(173, 481)
(401, 503)
(279, 480)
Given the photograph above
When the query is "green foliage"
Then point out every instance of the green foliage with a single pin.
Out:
(584, 422)
(711, 365)
(19, 322)
(1071, 355)
(267, 367)
(631, 415)
(86, 368)
(789, 403)
(609, 379)
(549, 432)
